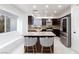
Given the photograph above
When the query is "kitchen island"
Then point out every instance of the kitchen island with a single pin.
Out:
(38, 35)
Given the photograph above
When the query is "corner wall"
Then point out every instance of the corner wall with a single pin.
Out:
(75, 28)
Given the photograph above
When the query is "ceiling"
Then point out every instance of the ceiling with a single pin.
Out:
(44, 10)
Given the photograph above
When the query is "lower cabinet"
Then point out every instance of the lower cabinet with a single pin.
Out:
(57, 32)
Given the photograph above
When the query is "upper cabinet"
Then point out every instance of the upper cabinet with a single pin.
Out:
(30, 20)
(56, 21)
(44, 21)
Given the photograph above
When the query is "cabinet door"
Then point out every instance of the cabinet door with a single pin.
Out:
(30, 20)
(43, 21)
(55, 21)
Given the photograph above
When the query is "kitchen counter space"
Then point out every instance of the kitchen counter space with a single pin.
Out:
(34, 30)
(39, 34)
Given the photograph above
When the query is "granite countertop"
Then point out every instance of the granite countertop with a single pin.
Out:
(39, 34)
(44, 27)
(37, 30)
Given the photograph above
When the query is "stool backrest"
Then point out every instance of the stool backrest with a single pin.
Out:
(30, 41)
(46, 41)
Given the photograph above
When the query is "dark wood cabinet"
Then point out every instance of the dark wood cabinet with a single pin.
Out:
(57, 32)
(30, 20)
(56, 24)
(55, 21)
(44, 21)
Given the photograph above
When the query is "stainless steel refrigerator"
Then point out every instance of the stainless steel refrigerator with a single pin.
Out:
(65, 31)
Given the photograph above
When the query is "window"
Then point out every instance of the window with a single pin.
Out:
(37, 22)
(8, 22)
(2, 24)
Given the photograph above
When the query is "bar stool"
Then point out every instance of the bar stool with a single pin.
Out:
(46, 42)
(30, 42)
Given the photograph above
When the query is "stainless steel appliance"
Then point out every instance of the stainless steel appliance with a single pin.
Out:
(65, 31)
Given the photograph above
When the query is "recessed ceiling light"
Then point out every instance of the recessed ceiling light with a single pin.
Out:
(46, 6)
(34, 6)
(59, 6)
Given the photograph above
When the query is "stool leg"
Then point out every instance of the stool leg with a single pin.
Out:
(42, 49)
(24, 49)
(35, 48)
(50, 49)
(27, 49)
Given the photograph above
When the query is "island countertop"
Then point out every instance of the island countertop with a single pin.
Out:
(38, 34)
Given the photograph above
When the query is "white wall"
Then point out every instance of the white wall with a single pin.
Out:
(25, 23)
(22, 17)
(75, 28)
(22, 24)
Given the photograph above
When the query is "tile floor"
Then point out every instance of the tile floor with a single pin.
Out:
(59, 48)
(19, 50)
